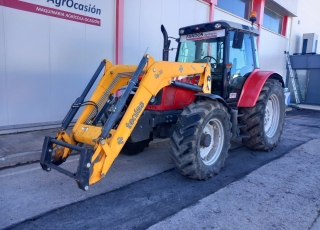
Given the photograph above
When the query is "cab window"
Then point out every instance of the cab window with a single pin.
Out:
(241, 59)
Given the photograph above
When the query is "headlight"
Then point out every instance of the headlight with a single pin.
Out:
(217, 26)
(152, 100)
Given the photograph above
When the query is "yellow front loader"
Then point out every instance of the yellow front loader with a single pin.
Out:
(106, 140)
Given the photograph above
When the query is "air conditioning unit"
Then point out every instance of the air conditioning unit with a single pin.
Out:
(310, 42)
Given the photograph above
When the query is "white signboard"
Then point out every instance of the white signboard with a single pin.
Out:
(203, 35)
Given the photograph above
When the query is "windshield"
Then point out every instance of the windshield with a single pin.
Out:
(202, 48)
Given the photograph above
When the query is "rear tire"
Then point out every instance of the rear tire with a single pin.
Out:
(201, 139)
(265, 120)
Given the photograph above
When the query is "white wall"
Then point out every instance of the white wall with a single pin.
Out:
(290, 5)
(48, 61)
(272, 46)
(220, 14)
(308, 21)
(271, 52)
(143, 19)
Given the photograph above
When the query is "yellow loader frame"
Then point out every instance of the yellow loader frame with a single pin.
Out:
(107, 142)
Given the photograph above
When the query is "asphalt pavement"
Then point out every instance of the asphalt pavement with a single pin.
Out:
(255, 190)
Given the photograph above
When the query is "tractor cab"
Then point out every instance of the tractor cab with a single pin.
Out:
(229, 47)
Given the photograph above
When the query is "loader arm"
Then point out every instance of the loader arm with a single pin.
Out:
(107, 140)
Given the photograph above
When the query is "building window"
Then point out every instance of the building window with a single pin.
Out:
(240, 8)
(272, 21)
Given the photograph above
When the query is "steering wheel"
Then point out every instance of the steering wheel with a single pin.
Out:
(210, 57)
(213, 65)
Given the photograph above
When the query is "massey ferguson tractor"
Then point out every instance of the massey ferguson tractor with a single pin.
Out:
(213, 92)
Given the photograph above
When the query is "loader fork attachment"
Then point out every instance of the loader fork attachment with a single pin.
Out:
(83, 172)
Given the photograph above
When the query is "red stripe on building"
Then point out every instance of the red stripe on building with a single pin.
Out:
(212, 4)
(119, 30)
(38, 9)
(284, 26)
(258, 7)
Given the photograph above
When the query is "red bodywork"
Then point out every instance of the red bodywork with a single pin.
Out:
(253, 85)
(174, 97)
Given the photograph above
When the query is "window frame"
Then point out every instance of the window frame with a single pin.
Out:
(247, 11)
(281, 25)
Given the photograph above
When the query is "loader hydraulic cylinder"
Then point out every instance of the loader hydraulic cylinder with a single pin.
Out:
(119, 106)
(76, 105)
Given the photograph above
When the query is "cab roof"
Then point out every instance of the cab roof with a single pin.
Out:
(210, 26)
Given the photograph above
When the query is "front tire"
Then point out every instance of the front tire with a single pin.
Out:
(265, 120)
(201, 139)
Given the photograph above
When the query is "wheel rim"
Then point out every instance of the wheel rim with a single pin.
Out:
(210, 154)
(271, 117)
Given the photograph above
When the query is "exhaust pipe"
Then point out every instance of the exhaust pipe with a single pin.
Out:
(166, 44)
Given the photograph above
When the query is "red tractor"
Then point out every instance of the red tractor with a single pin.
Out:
(245, 102)
(214, 91)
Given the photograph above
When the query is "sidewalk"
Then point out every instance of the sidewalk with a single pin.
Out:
(21, 148)
(264, 199)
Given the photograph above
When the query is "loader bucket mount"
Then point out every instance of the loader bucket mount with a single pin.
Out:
(83, 172)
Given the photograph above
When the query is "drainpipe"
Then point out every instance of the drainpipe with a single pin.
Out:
(212, 4)
(258, 7)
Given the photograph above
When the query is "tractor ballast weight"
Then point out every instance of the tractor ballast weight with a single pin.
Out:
(213, 92)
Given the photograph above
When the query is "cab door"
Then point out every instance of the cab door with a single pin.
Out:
(241, 56)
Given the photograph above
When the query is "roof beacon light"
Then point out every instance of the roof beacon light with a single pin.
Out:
(253, 17)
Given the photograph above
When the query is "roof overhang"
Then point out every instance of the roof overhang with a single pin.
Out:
(283, 7)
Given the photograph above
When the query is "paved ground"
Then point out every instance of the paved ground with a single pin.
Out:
(22, 148)
(265, 199)
(255, 190)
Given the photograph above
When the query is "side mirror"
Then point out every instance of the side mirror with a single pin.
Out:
(237, 40)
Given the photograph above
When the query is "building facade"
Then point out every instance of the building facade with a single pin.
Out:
(49, 49)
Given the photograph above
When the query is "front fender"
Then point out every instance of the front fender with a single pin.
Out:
(212, 97)
(253, 85)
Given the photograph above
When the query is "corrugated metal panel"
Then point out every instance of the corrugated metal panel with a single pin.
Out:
(131, 32)
(27, 66)
(142, 25)
(172, 26)
(48, 61)
(3, 77)
(149, 25)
